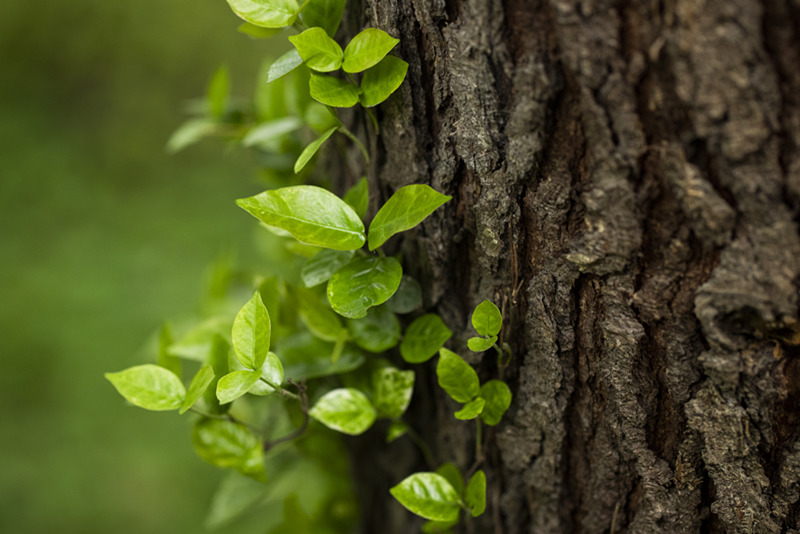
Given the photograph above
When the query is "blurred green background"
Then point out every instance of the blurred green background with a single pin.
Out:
(104, 236)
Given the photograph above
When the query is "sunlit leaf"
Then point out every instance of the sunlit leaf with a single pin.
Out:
(367, 49)
(251, 333)
(453, 475)
(471, 410)
(310, 150)
(475, 494)
(233, 385)
(406, 208)
(284, 65)
(272, 371)
(266, 13)
(149, 386)
(227, 444)
(486, 319)
(363, 283)
(333, 92)
(423, 338)
(428, 495)
(480, 344)
(456, 376)
(319, 52)
(345, 410)
(380, 81)
(197, 387)
(377, 332)
(498, 399)
(321, 266)
(218, 359)
(396, 430)
(393, 389)
(326, 14)
(318, 317)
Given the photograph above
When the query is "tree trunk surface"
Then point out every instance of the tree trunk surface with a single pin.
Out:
(626, 187)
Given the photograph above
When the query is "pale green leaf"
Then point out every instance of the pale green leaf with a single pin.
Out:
(423, 338)
(311, 214)
(449, 471)
(271, 131)
(498, 399)
(471, 410)
(486, 319)
(257, 32)
(149, 386)
(319, 52)
(284, 65)
(358, 197)
(393, 389)
(321, 266)
(367, 49)
(396, 430)
(251, 333)
(428, 495)
(266, 13)
(326, 14)
(480, 344)
(202, 379)
(272, 370)
(363, 283)
(456, 376)
(228, 444)
(408, 207)
(380, 81)
(309, 151)
(189, 133)
(377, 332)
(233, 385)
(218, 93)
(407, 298)
(320, 119)
(475, 494)
(333, 92)
(345, 410)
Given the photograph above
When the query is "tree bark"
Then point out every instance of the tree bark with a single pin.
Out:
(626, 187)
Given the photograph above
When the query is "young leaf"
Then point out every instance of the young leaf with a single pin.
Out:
(251, 333)
(319, 318)
(475, 494)
(218, 359)
(271, 131)
(380, 81)
(197, 387)
(233, 385)
(408, 207)
(424, 337)
(225, 443)
(284, 65)
(363, 283)
(272, 370)
(149, 386)
(407, 298)
(449, 471)
(190, 133)
(311, 214)
(396, 430)
(393, 389)
(358, 197)
(345, 410)
(323, 264)
(266, 13)
(165, 359)
(367, 49)
(480, 344)
(428, 495)
(319, 52)
(486, 319)
(218, 93)
(309, 151)
(333, 92)
(498, 399)
(326, 14)
(257, 32)
(377, 332)
(456, 376)
(471, 410)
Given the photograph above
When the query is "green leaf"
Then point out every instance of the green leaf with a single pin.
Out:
(428, 495)
(257, 32)
(396, 430)
(498, 399)
(218, 93)
(218, 359)
(408, 207)
(423, 338)
(379, 82)
(272, 370)
(480, 344)
(475, 494)
(284, 65)
(271, 131)
(165, 359)
(393, 389)
(367, 49)
(471, 410)
(266, 13)
(320, 119)
(326, 14)
(311, 214)
(345, 410)
(377, 332)
(323, 264)
(319, 52)
(449, 471)
(189, 133)
(363, 283)
(251, 333)
(358, 197)
(407, 298)
(227, 444)
(309, 151)
(304, 355)
(149, 386)
(333, 92)
(318, 317)
(439, 527)
(197, 387)
(456, 376)
(233, 385)
(486, 319)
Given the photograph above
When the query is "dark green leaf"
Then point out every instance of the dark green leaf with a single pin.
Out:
(257, 32)
(382, 80)
(377, 332)
(367, 49)
(345, 410)
(449, 471)
(480, 344)
(498, 399)
(408, 207)
(475, 494)
(266, 13)
(284, 65)
(407, 298)
(303, 355)
(233, 385)
(218, 359)
(149, 386)
(319, 52)
(333, 92)
(423, 338)
(326, 14)
(321, 266)
(251, 333)
(358, 197)
(227, 444)
(272, 370)
(428, 495)
(197, 387)
(393, 389)
(486, 319)
(471, 410)
(271, 131)
(396, 430)
(363, 283)
(456, 376)
(218, 93)
(190, 133)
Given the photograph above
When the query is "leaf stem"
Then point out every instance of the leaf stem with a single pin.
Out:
(374, 120)
(276, 387)
(349, 134)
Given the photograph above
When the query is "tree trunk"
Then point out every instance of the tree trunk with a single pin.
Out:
(626, 187)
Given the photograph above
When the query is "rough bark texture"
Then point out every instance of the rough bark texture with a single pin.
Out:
(626, 183)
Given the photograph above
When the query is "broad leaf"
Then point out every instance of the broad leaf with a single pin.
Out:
(218, 93)
(480, 344)
(309, 151)
(475, 494)
(377, 332)
(326, 14)
(321, 266)
(428, 495)
(423, 338)
(266, 13)
(228, 444)
(345, 410)
(333, 92)
(358, 197)
(393, 389)
(498, 399)
(311, 214)
(407, 298)
(284, 65)
(367, 49)
(251, 333)
(272, 371)
(449, 471)
(149, 386)
(363, 283)
(319, 52)
(486, 319)
(456, 376)
(382, 80)
(408, 207)
(189, 133)
(396, 430)
(233, 385)
(271, 131)
(197, 387)
(471, 410)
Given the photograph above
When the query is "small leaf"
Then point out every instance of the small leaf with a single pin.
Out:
(233, 385)
(408, 207)
(423, 338)
(456, 376)
(218, 359)
(266, 13)
(498, 399)
(271, 131)
(257, 32)
(189, 133)
(396, 430)
(382, 80)
(165, 359)
(272, 370)
(312, 148)
(428, 495)
(311, 214)
(377, 332)
(449, 471)
(323, 264)
(480, 344)
(407, 298)
(228, 444)
(197, 387)
(486, 319)
(319, 318)
(358, 197)
(326, 14)
(363, 283)
(333, 92)
(284, 65)
(471, 410)
(251, 333)
(319, 52)
(367, 49)
(393, 389)
(218, 93)
(149, 386)
(345, 410)
(475, 494)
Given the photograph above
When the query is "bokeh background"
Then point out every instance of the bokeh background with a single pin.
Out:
(104, 236)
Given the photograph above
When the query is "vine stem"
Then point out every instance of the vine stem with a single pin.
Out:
(276, 387)
(355, 139)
